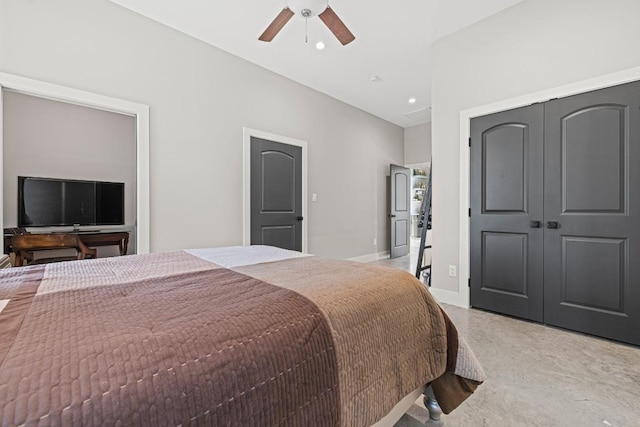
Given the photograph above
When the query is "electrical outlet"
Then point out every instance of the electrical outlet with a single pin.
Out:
(375, 241)
(452, 271)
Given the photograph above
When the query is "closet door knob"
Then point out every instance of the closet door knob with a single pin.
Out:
(553, 225)
(535, 224)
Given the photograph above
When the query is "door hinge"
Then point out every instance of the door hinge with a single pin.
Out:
(469, 212)
(469, 281)
(469, 141)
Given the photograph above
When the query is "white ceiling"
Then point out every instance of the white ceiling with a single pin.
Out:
(393, 40)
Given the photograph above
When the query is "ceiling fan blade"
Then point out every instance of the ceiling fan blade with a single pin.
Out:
(274, 28)
(336, 26)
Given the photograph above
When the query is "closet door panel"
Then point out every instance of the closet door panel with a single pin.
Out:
(506, 196)
(594, 144)
(592, 213)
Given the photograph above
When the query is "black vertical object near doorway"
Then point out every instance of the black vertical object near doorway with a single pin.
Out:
(276, 194)
(584, 248)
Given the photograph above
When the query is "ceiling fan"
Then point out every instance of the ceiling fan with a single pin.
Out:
(308, 9)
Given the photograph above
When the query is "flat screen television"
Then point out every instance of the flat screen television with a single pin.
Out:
(48, 202)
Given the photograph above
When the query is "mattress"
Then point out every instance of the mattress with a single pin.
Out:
(227, 336)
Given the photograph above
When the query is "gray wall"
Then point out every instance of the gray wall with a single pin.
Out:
(51, 139)
(200, 98)
(532, 46)
(417, 144)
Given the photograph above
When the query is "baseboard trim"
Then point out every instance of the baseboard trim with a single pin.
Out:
(371, 257)
(449, 297)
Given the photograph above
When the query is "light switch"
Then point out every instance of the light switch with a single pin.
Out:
(314, 197)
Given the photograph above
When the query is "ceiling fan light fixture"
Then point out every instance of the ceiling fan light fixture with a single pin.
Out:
(308, 8)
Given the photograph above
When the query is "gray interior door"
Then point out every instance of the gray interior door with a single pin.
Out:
(276, 194)
(400, 211)
(592, 213)
(506, 195)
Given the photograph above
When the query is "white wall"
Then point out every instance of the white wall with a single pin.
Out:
(534, 46)
(200, 98)
(417, 144)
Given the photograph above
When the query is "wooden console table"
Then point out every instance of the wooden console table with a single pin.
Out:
(115, 238)
(90, 239)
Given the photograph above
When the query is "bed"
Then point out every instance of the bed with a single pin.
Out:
(227, 336)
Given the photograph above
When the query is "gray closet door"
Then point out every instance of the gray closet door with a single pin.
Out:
(506, 212)
(592, 213)
(400, 211)
(276, 194)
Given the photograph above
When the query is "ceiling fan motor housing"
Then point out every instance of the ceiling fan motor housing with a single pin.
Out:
(308, 8)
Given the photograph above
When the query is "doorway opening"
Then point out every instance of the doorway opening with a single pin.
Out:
(140, 112)
(419, 174)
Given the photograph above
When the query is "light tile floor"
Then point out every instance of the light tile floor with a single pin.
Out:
(540, 375)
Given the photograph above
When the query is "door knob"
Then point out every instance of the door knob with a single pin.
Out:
(535, 224)
(553, 225)
(299, 218)
(392, 216)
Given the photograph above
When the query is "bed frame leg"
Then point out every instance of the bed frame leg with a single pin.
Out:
(432, 405)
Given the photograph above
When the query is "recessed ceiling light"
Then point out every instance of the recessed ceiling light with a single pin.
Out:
(320, 45)
(412, 100)
(375, 78)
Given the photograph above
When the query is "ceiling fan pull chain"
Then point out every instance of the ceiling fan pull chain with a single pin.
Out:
(306, 30)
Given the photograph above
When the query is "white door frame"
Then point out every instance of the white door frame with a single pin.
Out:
(65, 94)
(247, 133)
(461, 298)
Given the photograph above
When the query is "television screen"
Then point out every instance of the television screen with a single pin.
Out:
(109, 203)
(45, 202)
